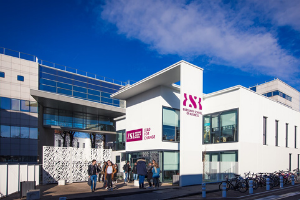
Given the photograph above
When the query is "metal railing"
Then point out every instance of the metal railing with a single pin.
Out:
(34, 58)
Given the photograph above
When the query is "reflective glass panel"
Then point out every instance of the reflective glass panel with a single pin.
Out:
(5, 103)
(47, 88)
(206, 131)
(15, 104)
(33, 133)
(33, 107)
(228, 126)
(25, 105)
(20, 78)
(171, 124)
(65, 118)
(24, 132)
(47, 82)
(92, 122)
(15, 131)
(5, 131)
(64, 86)
(63, 91)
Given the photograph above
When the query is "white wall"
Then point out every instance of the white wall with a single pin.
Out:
(252, 154)
(145, 111)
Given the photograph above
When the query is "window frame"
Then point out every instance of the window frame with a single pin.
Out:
(287, 135)
(219, 114)
(265, 124)
(162, 124)
(295, 137)
(276, 132)
(2, 73)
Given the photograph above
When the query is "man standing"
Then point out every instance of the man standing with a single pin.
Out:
(93, 171)
(126, 169)
(142, 171)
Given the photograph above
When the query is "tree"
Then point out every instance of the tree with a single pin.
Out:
(71, 136)
(63, 135)
(93, 140)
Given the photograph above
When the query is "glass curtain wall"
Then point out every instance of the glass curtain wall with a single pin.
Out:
(57, 81)
(171, 125)
(77, 120)
(121, 140)
(220, 127)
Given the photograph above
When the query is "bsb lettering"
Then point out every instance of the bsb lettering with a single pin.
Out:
(194, 105)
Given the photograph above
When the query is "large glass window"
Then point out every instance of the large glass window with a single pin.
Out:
(33, 133)
(171, 165)
(5, 131)
(33, 106)
(171, 124)
(121, 138)
(220, 127)
(5, 103)
(15, 131)
(24, 132)
(65, 118)
(50, 116)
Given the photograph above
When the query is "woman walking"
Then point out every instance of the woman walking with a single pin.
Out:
(109, 174)
(156, 171)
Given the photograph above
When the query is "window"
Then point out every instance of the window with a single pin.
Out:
(5, 131)
(295, 137)
(59, 143)
(15, 132)
(5, 103)
(121, 138)
(83, 145)
(171, 165)
(171, 125)
(290, 162)
(77, 144)
(33, 133)
(2, 74)
(33, 106)
(15, 104)
(286, 135)
(20, 78)
(265, 131)
(220, 127)
(276, 132)
(25, 105)
(24, 132)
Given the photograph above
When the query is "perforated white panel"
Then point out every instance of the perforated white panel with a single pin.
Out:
(70, 164)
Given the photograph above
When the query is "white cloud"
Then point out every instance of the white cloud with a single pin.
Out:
(226, 33)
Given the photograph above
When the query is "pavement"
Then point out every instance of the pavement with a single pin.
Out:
(78, 191)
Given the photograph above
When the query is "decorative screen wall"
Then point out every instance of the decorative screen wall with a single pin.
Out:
(70, 164)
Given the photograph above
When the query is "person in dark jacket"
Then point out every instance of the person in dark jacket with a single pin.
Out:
(93, 171)
(149, 174)
(141, 171)
(117, 170)
(134, 171)
(99, 176)
(126, 169)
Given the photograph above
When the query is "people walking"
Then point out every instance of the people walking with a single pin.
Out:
(93, 171)
(109, 175)
(149, 174)
(117, 170)
(126, 169)
(141, 171)
(134, 171)
(156, 172)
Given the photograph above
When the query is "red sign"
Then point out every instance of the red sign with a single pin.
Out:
(134, 135)
(192, 104)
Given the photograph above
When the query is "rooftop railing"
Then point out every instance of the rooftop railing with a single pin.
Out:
(34, 58)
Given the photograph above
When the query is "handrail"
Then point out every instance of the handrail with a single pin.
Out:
(34, 58)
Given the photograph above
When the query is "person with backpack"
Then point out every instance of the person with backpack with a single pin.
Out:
(93, 171)
(134, 171)
(156, 172)
(126, 169)
(141, 171)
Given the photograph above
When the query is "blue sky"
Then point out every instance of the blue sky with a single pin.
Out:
(236, 42)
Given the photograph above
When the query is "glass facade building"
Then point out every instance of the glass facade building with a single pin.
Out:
(78, 86)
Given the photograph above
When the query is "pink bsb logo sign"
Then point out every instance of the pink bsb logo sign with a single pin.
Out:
(194, 105)
(134, 135)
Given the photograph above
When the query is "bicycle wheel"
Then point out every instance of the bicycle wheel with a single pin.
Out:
(243, 186)
(227, 186)
(255, 184)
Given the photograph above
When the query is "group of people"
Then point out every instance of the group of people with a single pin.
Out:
(140, 171)
(107, 171)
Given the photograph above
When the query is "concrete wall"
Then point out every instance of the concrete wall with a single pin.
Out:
(12, 88)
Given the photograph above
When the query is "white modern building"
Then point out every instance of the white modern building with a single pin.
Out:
(179, 125)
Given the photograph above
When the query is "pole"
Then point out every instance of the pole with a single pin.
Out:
(224, 190)
(250, 186)
(293, 180)
(281, 182)
(268, 184)
(203, 190)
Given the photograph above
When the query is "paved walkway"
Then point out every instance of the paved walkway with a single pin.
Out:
(82, 191)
